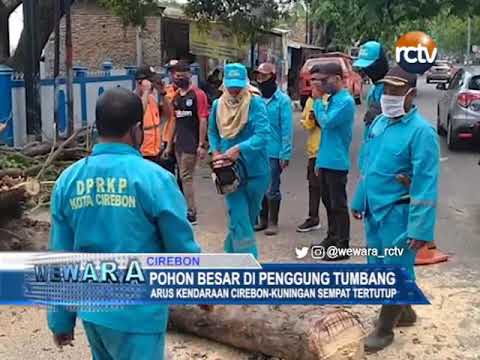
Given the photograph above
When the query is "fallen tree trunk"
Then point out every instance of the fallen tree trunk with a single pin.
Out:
(287, 332)
(40, 149)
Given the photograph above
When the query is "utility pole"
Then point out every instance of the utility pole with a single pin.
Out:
(69, 64)
(139, 46)
(307, 23)
(4, 34)
(469, 37)
(56, 63)
(32, 70)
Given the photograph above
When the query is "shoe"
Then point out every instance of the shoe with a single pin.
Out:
(192, 217)
(408, 317)
(327, 242)
(262, 222)
(273, 210)
(383, 335)
(341, 245)
(309, 225)
(336, 258)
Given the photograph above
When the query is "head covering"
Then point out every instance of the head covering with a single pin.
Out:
(144, 73)
(266, 68)
(369, 53)
(399, 77)
(328, 68)
(232, 111)
(235, 76)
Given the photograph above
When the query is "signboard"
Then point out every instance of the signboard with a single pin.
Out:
(216, 41)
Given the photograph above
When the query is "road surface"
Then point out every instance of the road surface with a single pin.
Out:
(447, 329)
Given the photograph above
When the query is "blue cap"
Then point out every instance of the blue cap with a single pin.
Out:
(369, 53)
(235, 76)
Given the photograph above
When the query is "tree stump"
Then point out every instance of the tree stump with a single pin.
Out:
(287, 332)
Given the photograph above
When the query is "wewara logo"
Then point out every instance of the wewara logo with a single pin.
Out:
(415, 52)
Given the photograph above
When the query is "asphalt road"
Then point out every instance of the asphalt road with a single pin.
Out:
(458, 226)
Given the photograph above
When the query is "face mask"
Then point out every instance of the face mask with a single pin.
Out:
(393, 105)
(268, 88)
(182, 83)
(378, 69)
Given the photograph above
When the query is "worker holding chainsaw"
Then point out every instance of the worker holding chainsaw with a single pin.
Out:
(238, 133)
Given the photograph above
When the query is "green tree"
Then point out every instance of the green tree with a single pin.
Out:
(132, 12)
(245, 17)
(355, 21)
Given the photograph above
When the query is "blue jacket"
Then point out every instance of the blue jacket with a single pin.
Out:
(374, 94)
(409, 147)
(336, 121)
(252, 139)
(374, 107)
(115, 201)
(280, 117)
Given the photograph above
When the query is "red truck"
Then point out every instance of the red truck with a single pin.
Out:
(353, 81)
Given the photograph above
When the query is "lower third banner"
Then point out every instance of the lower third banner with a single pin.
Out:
(104, 283)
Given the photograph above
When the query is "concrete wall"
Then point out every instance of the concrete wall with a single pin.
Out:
(87, 87)
(97, 35)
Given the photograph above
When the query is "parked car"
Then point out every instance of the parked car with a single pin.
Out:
(458, 110)
(441, 72)
(353, 80)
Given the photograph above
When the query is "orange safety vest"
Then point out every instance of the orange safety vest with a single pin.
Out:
(151, 129)
(169, 126)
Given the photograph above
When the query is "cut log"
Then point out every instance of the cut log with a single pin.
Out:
(287, 332)
(21, 172)
(40, 149)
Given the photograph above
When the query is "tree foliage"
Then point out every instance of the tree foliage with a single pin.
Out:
(132, 12)
(245, 17)
(355, 21)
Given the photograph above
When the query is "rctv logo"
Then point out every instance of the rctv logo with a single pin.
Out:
(415, 52)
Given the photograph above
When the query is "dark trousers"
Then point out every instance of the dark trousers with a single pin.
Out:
(314, 190)
(275, 173)
(334, 197)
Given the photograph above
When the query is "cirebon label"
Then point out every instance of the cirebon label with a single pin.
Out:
(415, 52)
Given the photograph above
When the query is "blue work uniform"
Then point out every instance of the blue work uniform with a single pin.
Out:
(336, 121)
(280, 142)
(244, 204)
(114, 201)
(333, 159)
(374, 107)
(394, 213)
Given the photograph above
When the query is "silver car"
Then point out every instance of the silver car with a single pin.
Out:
(439, 73)
(458, 111)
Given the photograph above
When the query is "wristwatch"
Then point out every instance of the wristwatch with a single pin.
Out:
(203, 146)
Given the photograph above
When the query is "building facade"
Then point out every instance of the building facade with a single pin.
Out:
(98, 35)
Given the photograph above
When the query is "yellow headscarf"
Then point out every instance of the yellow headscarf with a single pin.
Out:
(232, 111)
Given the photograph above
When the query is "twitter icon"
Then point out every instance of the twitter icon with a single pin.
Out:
(301, 253)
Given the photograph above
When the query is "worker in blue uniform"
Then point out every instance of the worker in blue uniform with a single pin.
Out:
(238, 132)
(397, 193)
(333, 159)
(372, 62)
(279, 146)
(114, 201)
